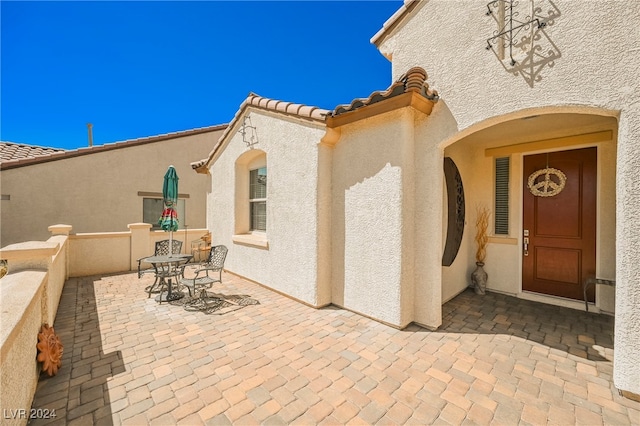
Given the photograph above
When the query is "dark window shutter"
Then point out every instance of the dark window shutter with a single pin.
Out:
(502, 196)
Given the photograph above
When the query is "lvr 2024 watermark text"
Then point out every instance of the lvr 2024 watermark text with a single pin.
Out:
(33, 413)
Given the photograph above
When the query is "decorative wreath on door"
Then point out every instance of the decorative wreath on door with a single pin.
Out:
(50, 350)
(553, 183)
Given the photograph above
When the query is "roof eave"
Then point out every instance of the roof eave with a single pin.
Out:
(254, 101)
(408, 99)
(394, 21)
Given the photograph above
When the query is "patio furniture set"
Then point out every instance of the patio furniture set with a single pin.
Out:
(174, 271)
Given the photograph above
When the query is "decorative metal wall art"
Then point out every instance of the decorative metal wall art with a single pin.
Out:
(507, 34)
(552, 184)
(249, 132)
(521, 29)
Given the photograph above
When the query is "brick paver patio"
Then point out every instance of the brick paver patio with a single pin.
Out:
(496, 360)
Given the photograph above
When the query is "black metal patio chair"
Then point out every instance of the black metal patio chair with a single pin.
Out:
(205, 274)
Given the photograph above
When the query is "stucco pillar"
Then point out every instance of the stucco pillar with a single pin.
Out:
(140, 242)
(429, 182)
(626, 369)
(64, 230)
(60, 229)
(428, 290)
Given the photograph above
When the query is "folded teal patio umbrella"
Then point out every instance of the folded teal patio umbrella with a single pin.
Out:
(169, 219)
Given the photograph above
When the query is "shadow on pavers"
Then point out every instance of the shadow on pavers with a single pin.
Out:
(79, 390)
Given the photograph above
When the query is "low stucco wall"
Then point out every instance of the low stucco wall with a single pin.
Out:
(22, 300)
(30, 295)
(93, 254)
(113, 252)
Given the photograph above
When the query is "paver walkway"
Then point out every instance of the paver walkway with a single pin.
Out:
(496, 360)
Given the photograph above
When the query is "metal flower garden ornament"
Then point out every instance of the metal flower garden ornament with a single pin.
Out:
(50, 350)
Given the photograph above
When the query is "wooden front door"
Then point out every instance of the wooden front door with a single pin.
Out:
(559, 231)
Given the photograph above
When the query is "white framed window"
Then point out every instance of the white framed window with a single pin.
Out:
(250, 212)
(258, 199)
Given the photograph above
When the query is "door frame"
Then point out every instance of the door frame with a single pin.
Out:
(590, 227)
(547, 298)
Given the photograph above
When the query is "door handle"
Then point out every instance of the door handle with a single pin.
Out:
(526, 246)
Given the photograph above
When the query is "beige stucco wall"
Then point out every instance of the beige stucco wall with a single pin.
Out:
(290, 263)
(99, 253)
(373, 217)
(596, 70)
(99, 192)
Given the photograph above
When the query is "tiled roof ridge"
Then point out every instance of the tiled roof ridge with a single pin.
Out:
(391, 23)
(59, 155)
(304, 111)
(414, 80)
(257, 101)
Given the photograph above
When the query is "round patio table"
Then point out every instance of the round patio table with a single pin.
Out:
(167, 267)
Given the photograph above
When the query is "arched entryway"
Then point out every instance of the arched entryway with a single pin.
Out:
(541, 246)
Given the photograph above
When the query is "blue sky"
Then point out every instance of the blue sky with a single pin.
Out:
(136, 69)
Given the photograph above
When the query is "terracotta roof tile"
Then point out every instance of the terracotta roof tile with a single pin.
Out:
(17, 151)
(256, 101)
(59, 154)
(413, 80)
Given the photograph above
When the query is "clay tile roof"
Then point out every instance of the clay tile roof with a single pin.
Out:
(18, 151)
(253, 100)
(303, 111)
(413, 80)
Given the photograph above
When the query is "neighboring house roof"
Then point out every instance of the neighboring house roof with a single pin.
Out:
(253, 100)
(55, 155)
(17, 151)
(394, 21)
